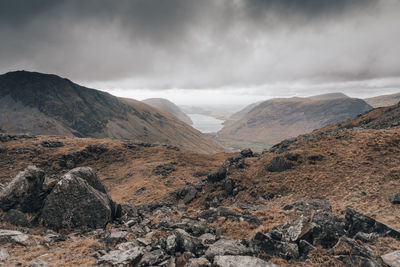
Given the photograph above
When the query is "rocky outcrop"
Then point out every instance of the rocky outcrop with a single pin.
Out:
(88, 203)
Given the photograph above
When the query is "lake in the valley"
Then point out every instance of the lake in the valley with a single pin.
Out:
(206, 124)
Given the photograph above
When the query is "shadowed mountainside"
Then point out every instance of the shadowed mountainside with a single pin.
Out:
(168, 106)
(273, 120)
(48, 104)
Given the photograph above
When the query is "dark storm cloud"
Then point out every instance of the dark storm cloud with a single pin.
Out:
(201, 43)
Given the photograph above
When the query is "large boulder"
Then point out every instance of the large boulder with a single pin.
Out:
(78, 199)
(25, 192)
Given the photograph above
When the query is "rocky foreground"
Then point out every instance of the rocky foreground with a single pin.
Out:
(156, 235)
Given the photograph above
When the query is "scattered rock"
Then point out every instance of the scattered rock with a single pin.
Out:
(358, 222)
(129, 257)
(228, 186)
(392, 259)
(292, 156)
(306, 207)
(51, 143)
(38, 263)
(207, 239)
(279, 164)
(140, 190)
(2, 149)
(352, 260)
(16, 217)
(395, 198)
(115, 236)
(348, 246)
(240, 261)
(198, 262)
(226, 247)
(96, 148)
(74, 202)
(266, 244)
(212, 215)
(217, 176)
(24, 192)
(4, 254)
(366, 237)
(71, 159)
(153, 258)
(247, 153)
(164, 170)
(7, 236)
(191, 194)
(315, 157)
(186, 242)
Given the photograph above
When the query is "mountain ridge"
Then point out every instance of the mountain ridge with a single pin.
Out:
(48, 104)
(276, 119)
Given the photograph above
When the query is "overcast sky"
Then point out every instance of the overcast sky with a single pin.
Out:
(199, 51)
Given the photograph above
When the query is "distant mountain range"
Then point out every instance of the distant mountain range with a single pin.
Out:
(39, 103)
(264, 124)
(168, 106)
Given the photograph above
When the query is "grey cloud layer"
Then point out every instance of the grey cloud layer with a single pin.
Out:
(202, 43)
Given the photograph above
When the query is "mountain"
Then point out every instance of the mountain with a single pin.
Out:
(384, 100)
(168, 106)
(273, 120)
(39, 103)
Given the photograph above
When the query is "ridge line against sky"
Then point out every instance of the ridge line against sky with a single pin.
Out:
(235, 48)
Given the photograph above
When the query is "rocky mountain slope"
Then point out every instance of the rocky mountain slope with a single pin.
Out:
(274, 120)
(384, 100)
(327, 198)
(47, 104)
(168, 106)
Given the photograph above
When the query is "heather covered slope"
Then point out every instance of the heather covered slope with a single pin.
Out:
(274, 120)
(47, 104)
(168, 106)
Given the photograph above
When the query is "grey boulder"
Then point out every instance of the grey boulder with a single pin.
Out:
(227, 247)
(24, 192)
(78, 199)
(240, 261)
(392, 259)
